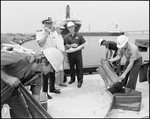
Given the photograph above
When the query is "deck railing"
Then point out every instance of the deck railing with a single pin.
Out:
(137, 32)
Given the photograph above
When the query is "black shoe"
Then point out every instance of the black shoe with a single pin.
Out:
(65, 79)
(48, 96)
(55, 91)
(71, 81)
(79, 84)
(58, 89)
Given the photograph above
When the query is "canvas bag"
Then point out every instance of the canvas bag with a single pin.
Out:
(110, 78)
(128, 100)
(143, 72)
(123, 98)
(37, 111)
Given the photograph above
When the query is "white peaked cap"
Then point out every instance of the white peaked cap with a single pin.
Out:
(100, 40)
(70, 23)
(121, 41)
(54, 56)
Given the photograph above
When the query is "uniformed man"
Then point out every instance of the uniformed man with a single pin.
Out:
(75, 40)
(133, 61)
(59, 26)
(111, 50)
(44, 39)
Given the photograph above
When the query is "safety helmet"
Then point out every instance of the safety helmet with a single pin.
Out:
(54, 56)
(121, 41)
(70, 23)
(101, 40)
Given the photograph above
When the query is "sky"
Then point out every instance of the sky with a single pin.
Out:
(95, 16)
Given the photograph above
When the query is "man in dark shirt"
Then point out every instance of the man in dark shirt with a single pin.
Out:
(110, 47)
(74, 40)
(19, 67)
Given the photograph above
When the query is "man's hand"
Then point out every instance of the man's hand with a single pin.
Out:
(74, 45)
(13, 81)
(47, 30)
(109, 60)
(122, 77)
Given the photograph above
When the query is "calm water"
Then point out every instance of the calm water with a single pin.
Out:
(92, 53)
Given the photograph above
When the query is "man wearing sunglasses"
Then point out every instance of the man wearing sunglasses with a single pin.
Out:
(75, 40)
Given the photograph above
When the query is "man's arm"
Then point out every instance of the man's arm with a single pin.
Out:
(42, 41)
(71, 45)
(127, 69)
(107, 53)
(12, 81)
(41, 37)
(111, 52)
(68, 46)
(115, 58)
(76, 49)
(132, 60)
(119, 56)
(82, 45)
(129, 66)
(66, 43)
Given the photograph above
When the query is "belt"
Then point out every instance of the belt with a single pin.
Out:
(135, 60)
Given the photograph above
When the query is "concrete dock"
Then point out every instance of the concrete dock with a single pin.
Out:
(92, 100)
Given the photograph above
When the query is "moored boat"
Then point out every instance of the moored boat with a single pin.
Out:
(68, 18)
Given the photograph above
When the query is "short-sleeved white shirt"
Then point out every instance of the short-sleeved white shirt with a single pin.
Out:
(50, 42)
(131, 52)
(53, 40)
(59, 41)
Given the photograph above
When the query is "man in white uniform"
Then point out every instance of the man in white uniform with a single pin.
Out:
(44, 39)
(57, 37)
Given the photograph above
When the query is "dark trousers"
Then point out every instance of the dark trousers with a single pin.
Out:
(76, 61)
(51, 77)
(132, 74)
(18, 106)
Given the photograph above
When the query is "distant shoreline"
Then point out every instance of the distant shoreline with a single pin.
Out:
(83, 33)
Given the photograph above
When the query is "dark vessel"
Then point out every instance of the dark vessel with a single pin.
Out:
(68, 18)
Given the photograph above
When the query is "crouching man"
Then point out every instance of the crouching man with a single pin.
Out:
(20, 68)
